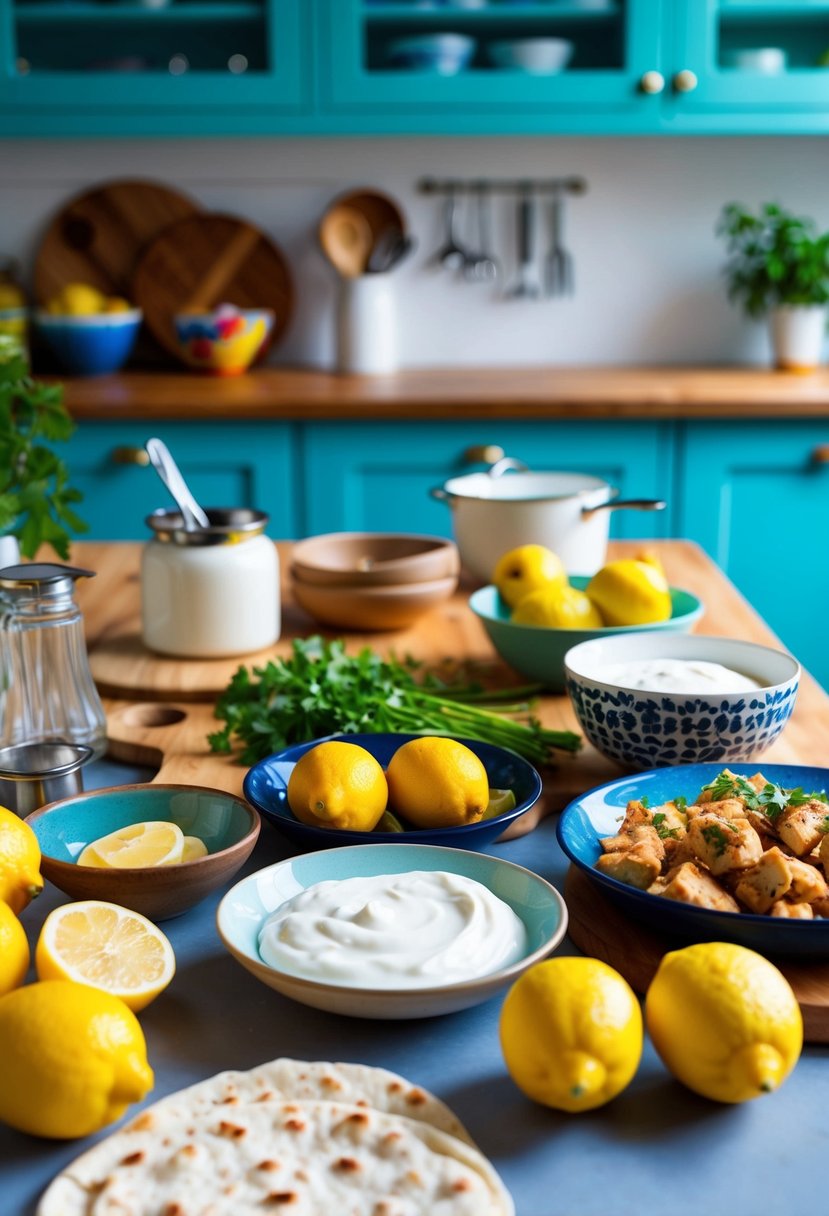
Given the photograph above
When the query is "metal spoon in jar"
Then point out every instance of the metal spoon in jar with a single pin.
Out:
(193, 516)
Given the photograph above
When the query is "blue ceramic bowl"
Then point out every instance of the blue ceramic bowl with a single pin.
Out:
(641, 729)
(91, 346)
(445, 54)
(597, 813)
(538, 653)
(266, 788)
(226, 824)
(247, 904)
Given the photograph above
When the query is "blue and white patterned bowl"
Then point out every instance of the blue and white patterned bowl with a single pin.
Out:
(642, 729)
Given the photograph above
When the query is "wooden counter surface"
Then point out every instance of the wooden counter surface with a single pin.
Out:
(542, 392)
(110, 604)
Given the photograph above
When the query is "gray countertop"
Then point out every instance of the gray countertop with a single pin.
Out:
(657, 1148)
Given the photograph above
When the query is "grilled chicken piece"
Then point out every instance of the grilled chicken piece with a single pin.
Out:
(690, 885)
(638, 866)
(823, 853)
(672, 818)
(763, 884)
(793, 911)
(724, 844)
(800, 827)
(808, 884)
(820, 907)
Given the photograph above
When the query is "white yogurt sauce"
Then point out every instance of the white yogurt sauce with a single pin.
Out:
(678, 676)
(415, 930)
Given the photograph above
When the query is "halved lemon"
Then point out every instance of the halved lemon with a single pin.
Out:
(153, 843)
(193, 849)
(107, 947)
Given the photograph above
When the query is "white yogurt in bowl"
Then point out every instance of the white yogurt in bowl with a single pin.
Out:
(678, 676)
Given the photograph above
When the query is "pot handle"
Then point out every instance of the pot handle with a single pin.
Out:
(630, 504)
(505, 464)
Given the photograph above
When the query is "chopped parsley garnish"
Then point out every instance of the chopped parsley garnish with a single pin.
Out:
(645, 802)
(664, 833)
(681, 803)
(770, 801)
(714, 834)
(824, 824)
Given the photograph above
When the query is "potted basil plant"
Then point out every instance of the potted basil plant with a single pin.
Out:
(36, 501)
(778, 267)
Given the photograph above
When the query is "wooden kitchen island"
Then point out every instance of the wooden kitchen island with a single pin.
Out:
(657, 1148)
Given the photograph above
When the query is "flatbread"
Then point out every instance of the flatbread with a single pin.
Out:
(300, 1158)
(319, 1081)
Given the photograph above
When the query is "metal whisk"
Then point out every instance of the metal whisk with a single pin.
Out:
(558, 265)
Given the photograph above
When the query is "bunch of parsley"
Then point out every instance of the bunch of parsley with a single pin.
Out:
(320, 690)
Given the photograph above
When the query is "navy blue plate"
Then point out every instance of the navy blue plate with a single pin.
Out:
(597, 813)
(266, 785)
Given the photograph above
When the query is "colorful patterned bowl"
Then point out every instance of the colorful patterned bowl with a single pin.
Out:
(224, 342)
(642, 730)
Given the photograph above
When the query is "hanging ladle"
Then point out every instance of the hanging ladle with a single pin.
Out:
(192, 515)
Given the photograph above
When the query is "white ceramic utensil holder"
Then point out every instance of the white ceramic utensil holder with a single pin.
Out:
(797, 335)
(367, 325)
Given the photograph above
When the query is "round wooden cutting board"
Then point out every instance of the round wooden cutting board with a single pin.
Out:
(97, 236)
(602, 931)
(206, 260)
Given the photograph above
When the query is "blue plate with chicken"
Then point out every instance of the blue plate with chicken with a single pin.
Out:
(699, 852)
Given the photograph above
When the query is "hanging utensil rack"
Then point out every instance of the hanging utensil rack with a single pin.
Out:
(505, 185)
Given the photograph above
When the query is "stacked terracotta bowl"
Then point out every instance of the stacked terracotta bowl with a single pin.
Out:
(373, 580)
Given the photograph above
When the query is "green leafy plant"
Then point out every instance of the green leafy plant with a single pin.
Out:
(774, 258)
(36, 501)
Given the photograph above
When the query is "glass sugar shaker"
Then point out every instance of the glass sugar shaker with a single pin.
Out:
(47, 692)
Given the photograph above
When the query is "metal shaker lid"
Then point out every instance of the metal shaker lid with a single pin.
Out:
(52, 577)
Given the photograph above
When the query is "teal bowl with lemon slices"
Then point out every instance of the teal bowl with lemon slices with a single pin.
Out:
(515, 787)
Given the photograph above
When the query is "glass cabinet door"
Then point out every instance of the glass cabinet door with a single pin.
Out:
(763, 57)
(494, 64)
(137, 55)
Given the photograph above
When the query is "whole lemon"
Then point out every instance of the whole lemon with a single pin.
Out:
(20, 879)
(558, 606)
(14, 951)
(436, 782)
(81, 300)
(571, 1033)
(631, 591)
(116, 304)
(724, 1021)
(74, 1058)
(525, 569)
(338, 785)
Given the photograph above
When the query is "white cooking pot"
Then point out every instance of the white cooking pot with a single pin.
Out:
(493, 512)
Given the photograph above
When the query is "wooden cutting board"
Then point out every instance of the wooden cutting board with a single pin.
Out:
(97, 236)
(599, 929)
(206, 260)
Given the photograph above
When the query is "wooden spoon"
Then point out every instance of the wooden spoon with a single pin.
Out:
(347, 240)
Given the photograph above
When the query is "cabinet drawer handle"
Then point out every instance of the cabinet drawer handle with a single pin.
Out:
(129, 456)
(820, 454)
(685, 81)
(652, 83)
(483, 453)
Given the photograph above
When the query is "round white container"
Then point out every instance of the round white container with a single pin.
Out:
(213, 593)
(367, 325)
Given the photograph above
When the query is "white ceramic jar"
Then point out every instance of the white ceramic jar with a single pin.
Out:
(213, 593)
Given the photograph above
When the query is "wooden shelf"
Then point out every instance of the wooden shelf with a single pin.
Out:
(541, 392)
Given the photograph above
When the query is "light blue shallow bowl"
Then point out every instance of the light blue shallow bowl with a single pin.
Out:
(247, 905)
(538, 653)
(597, 813)
(91, 346)
(266, 788)
(226, 824)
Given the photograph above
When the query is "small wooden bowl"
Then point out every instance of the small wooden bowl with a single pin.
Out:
(362, 210)
(227, 825)
(394, 606)
(371, 559)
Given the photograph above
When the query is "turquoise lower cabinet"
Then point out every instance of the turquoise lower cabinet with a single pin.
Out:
(756, 497)
(365, 476)
(225, 464)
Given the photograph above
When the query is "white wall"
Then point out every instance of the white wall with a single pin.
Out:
(649, 288)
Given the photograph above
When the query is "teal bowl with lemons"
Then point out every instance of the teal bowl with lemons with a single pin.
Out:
(537, 651)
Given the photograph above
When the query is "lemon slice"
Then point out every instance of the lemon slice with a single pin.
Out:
(154, 843)
(500, 801)
(107, 947)
(193, 849)
(389, 823)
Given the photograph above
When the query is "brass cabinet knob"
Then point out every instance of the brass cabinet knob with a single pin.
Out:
(652, 83)
(820, 455)
(483, 453)
(685, 81)
(129, 456)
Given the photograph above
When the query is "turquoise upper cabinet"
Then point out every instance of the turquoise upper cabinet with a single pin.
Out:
(750, 66)
(168, 66)
(402, 66)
